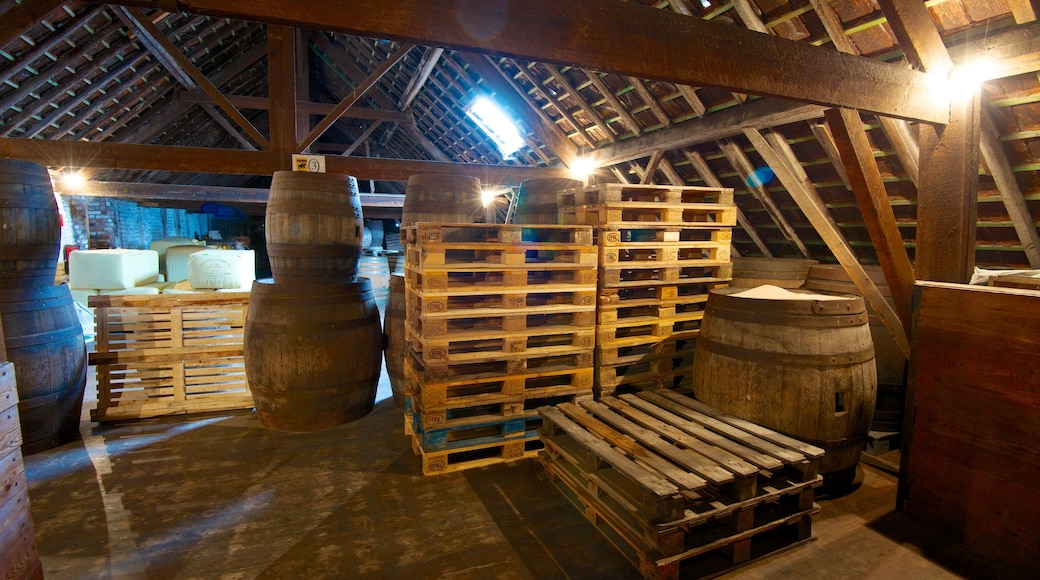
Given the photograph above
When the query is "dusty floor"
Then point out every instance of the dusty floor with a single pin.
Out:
(219, 496)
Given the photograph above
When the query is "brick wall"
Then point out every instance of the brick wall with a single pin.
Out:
(99, 222)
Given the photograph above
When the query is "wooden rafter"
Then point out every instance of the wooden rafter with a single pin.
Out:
(759, 114)
(701, 167)
(907, 151)
(49, 44)
(585, 107)
(202, 194)
(651, 167)
(1022, 10)
(1004, 177)
(308, 107)
(361, 138)
(858, 158)
(674, 178)
(549, 96)
(352, 98)
(628, 39)
(21, 16)
(1007, 53)
(651, 101)
(832, 24)
(787, 155)
(612, 99)
(749, 17)
(183, 69)
(739, 160)
(818, 216)
(422, 73)
(826, 140)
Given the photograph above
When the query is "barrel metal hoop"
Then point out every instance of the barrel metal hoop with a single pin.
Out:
(300, 208)
(283, 250)
(787, 359)
(808, 321)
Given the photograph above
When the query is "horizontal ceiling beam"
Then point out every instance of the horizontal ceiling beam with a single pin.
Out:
(238, 162)
(617, 37)
(206, 193)
(263, 103)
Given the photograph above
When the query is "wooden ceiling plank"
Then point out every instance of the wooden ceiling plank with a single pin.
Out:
(996, 160)
(281, 90)
(826, 140)
(833, 25)
(907, 151)
(818, 217)
(628, 39)
(560, 107)
(760, 114)
(591, 114)
(651, 167)
(690, 94)
(615, 103)
(352, 98)
(51, 43)
(308, 107)
(514, 98)
(237, 162)
(180, 67)
(875, 206)
(739, 160)
(20, 17)
(699, 165)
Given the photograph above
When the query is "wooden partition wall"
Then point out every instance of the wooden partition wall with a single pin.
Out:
(972, 464)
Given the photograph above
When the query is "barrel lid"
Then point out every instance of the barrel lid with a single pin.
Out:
(769, 299)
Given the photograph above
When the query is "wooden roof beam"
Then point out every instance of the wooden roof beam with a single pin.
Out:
(628, 39)
(1004, 177)
(233, 161)
(309, 107)
(21, 16)
(207, 193)
(701, 167)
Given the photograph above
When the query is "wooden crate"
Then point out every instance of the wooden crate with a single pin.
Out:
(19, 557)
(169, 354)
(670, 481)
(623, 192)
(529, 235)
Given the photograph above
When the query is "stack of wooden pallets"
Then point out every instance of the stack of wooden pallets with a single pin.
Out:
(661, 249)
(670, 481)
(19, 557)
(500, 320)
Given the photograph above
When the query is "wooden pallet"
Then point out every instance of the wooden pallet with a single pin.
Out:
(649, 215)
(619, 235)
(20, 557)
(476, 455)
(499, 368)
(505, 234)
(169, 354)
(494, 278)
(460, 324)
(524, 405)
(494, 345)
(668, 480)
(661, 373)
(632, 353)
(448, 256)
(656, 254)
(621, 276)
(619, 192)
(642, 330)
(432, 304)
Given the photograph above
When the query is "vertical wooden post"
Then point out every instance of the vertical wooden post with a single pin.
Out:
(947, 196)
(281, 90)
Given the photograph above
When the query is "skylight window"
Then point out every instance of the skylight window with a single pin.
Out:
(496, 124)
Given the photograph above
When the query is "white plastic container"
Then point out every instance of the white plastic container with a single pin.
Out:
(112, 269)
(222, 269)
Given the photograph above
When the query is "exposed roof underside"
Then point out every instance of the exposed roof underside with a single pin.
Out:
(99, 73)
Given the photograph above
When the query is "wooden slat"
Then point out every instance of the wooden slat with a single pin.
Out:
(18, 17)
(1007, 184)
(701, 167)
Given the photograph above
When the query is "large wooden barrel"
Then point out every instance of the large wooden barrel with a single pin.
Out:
(375, 235)
(891, 364)
(396, 346)
(803, 366)
(536, 199)
(441, 199)
(312, 353)
(377, 270)
(313, 227)
(30, 231)
(44, 340)
(782, 272)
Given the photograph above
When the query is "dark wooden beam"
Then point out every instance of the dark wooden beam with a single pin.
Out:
(1004, 178)
(308, 107)
(202, 194)
(1007, 53)
(203, 160)
(760, 114)
(711, 180)
(857, 156)
(619, 37)
(18, 17)
(281, 91)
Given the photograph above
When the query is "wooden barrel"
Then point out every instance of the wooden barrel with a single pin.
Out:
(375, 231)
(395, 262)
(891, 364)
(313, 227)
(44, 340)
(30, 227)
(803, 367)
(441, 199)
(312, 353)
(536, 200)
(782, 272)
(377, 270)
(396, 346)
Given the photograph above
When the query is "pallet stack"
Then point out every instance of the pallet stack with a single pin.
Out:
(500, 320)
(661, 249)
(672, 482)
(19, 557)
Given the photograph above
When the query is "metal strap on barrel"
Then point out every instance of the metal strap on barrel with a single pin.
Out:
(786, 359)
(838, 321)
(280, 250)
(329, 208)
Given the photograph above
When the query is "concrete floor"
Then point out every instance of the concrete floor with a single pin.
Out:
(218, 496)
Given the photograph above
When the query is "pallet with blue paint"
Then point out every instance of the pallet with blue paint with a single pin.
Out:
(455, 449)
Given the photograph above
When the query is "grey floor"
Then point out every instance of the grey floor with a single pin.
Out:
(219, 496)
